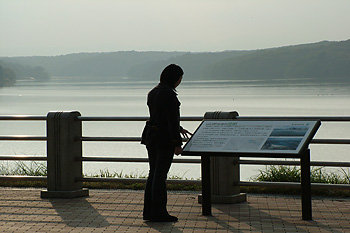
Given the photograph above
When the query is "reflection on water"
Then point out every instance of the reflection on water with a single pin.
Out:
(129, 99)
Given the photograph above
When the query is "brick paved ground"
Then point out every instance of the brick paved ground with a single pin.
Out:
(22, 210)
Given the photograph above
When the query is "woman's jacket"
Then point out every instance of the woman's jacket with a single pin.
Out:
(163, 127)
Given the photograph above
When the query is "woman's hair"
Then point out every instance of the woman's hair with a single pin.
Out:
(171, 74)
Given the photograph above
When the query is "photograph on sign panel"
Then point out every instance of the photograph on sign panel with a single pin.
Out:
(243, 144)
(281, 144)
(292, 131)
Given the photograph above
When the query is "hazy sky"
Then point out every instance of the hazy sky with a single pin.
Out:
(56, 27)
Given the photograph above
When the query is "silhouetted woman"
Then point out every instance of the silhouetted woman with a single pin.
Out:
(162, 137)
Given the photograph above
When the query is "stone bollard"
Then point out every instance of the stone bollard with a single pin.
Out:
(64, 152)
(225, 173)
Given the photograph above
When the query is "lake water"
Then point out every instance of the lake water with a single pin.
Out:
(125, 98)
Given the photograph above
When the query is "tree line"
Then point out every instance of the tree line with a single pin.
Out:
(316, 62)
(11, 72)
(7, 77)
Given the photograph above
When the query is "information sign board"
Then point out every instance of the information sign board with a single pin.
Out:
(239, 136)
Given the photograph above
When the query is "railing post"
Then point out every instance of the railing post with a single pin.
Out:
(225, 174)
(64, 152)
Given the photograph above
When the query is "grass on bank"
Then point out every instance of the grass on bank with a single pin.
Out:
(293, 174)
(40, 169)
(134, 186)
(23, 169)
(270, 173)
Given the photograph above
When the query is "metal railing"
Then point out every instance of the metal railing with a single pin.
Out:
(144, 160)
(23, 157)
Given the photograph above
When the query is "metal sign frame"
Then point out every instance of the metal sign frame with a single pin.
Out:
(302, 152)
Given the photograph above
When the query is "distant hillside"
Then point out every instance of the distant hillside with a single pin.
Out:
(317, 62)
(195, 65)
(320, 61)
(7, 77)
(11, 72)
(93, 65)
(323, 61)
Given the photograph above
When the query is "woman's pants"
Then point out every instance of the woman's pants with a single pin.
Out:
(160, 159)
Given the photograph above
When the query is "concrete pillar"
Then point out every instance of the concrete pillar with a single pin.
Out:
(64, 152)
(225, 173)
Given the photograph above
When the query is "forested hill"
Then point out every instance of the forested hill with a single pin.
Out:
(317, 62)
(322, 61)
(11, 72)
(103, 66)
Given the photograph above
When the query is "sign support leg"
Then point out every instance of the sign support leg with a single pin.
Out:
(306, 186)
(206, 186)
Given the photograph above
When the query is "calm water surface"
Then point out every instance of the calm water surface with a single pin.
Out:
(129, 99)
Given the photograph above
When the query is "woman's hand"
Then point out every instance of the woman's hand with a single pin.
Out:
(185, 133)
(178, 150)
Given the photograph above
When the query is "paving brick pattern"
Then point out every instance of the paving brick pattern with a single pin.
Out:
(22, 210)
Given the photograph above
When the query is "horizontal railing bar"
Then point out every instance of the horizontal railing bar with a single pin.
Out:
(23, 138)
(142, 160)
(115, 139)
(241, 161)
(199, 118)
(330, 141)
(293, 185)
(23, 157)
(23, 178)
(329, 164)
(145, 160)
(189, 182)
(132, 180)
(267, 184)
(110, 179)
(296, 163)
(132, 118)
(198, 182)
(268, 162)
(138, 139)
(23, 118)
(321, 118)
(189, 118)
(330, 186)
(81, 118)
